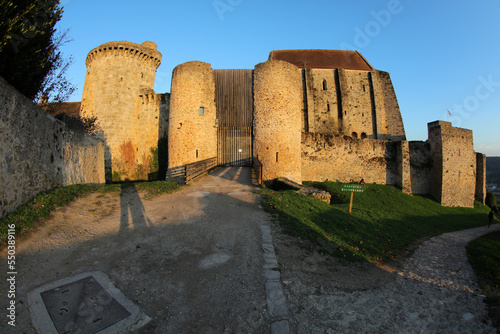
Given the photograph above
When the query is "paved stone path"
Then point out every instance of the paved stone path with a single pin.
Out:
(442, 261)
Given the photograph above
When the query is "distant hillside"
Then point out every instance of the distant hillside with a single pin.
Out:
(493, 170)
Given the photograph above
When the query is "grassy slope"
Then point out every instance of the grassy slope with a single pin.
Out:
(484, 257)
(384, 223)
(42, 205)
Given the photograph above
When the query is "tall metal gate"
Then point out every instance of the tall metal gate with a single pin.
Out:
(234, 102)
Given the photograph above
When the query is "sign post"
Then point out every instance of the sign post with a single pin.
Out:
(352, 188)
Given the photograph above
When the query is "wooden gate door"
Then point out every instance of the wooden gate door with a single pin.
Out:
(234, 102)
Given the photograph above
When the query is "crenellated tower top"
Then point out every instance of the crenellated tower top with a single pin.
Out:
(146, 51)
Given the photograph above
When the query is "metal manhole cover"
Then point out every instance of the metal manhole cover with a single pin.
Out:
(86, 303)
(82, 306)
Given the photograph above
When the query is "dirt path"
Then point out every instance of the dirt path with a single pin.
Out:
(192, 260)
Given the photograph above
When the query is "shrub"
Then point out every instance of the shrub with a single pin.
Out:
(116, 176)
(491, 200)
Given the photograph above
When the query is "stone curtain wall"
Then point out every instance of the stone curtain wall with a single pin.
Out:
(344, 159)
(38, 152)
(278, 101)
(118, 90)
(151, 115)
(192, 134)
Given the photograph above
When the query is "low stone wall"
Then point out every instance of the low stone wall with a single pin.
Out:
(39, 152)
(342, 158)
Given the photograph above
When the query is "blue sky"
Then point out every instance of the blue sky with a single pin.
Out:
(441, 55)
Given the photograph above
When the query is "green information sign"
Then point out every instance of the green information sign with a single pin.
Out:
(353, 188)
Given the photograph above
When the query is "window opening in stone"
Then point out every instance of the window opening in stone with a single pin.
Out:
(328, 107)
(354, 135)
(325, 86)
(363, 135)
(197, 153)
(276, 156)
(202, 111)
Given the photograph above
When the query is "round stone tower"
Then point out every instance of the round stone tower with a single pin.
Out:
(192, 133)
(278, 108)
(117, 74)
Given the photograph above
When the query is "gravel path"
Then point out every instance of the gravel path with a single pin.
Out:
(434, 291)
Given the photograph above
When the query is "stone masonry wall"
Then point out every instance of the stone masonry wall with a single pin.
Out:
(192, 134)
(120, 78)
(480, 177)
(278, 101)
(38, 152)
(389, 120)
(151, 113)
(456, 166)
(421, 164)
(351, 102)
(403, 166)
(356, 103)
(342, 158)
(321, 103)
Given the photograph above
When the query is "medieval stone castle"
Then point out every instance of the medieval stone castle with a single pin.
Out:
(306, 115)
(310, 115)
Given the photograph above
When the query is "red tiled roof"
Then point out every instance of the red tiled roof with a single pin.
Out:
(328, 59)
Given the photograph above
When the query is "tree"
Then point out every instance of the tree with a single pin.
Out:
(55, 87)
(28, 47)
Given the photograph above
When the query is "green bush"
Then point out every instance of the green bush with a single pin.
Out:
(116, 176)
(491, 200)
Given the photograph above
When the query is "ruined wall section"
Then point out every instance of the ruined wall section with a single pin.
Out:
(39, 152)
(454, 164)
(278, 101)
(342, 158)
(192, 134)
(117, 74)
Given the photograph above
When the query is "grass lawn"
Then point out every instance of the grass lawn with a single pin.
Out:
(25, 216)
(384, 222)
(484, 257)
